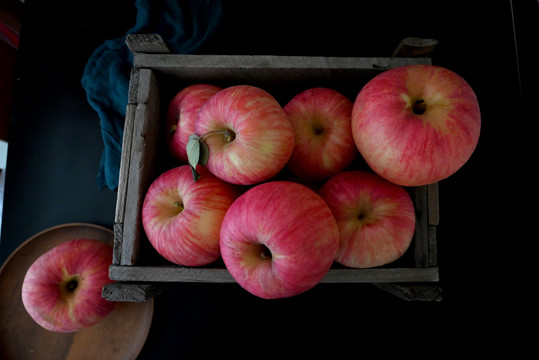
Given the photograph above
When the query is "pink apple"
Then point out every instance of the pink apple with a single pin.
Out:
(181, 116)
(416, 124)
(278, 239)
(376, 218)
(259, 139)
(61, 290)
(324, 145)
(182, 217)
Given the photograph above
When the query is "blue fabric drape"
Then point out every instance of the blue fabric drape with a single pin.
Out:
(183, 25)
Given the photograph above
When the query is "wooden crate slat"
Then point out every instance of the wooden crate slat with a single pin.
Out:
(221, 275)
(129, 292)
(170, 274)
(268, 69)
(146, 43)
(141, 163)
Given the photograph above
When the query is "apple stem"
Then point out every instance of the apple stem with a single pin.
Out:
(229, 135)
(198, 151)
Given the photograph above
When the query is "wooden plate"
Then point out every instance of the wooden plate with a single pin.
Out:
(121, 335)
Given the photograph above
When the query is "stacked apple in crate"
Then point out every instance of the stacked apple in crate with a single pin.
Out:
(269, 186)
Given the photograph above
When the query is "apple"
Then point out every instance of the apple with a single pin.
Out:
(416, 124)
(324, 146)
(376, 218)
(181, 116)
(61, 290)
(249, 136)
(182, 218)
(278, 239)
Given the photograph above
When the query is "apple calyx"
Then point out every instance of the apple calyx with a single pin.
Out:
(68, 286)
(419, 107)
(265, 252)
(318, 129)
(198, 152)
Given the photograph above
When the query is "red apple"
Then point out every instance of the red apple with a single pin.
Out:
(376, 218)
(416, 124)
(324, 145)
(278, 239)
(181, 116)
(61, 290)
(259, 138)
(182, 217)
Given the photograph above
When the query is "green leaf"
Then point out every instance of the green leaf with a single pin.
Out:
(193, 154)
(204, 153)
(193, 150)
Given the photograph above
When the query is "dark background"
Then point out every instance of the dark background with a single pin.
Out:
(55, 147)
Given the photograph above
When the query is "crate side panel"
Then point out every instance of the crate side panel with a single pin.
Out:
(143, 157)
(270, 71)
(221, 275)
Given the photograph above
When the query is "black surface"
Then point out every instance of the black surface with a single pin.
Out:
(55, 147)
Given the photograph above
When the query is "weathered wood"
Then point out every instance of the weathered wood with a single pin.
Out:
(268, 69)
(117, 243)
(170, 274)
(124, 164)
(221, 275)
(146, 43)
(142, 158)
(123, 182)
(128, 292)
(133, 87)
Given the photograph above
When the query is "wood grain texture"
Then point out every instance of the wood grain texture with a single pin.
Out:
(138, 173)
(221, 275)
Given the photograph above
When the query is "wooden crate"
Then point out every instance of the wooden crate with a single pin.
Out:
(158, 75)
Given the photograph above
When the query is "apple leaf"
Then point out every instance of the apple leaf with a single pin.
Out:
(198, 153)
(193, 154)
(193, 150)
(204, 153)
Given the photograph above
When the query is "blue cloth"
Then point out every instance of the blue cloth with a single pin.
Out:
(183, 25)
